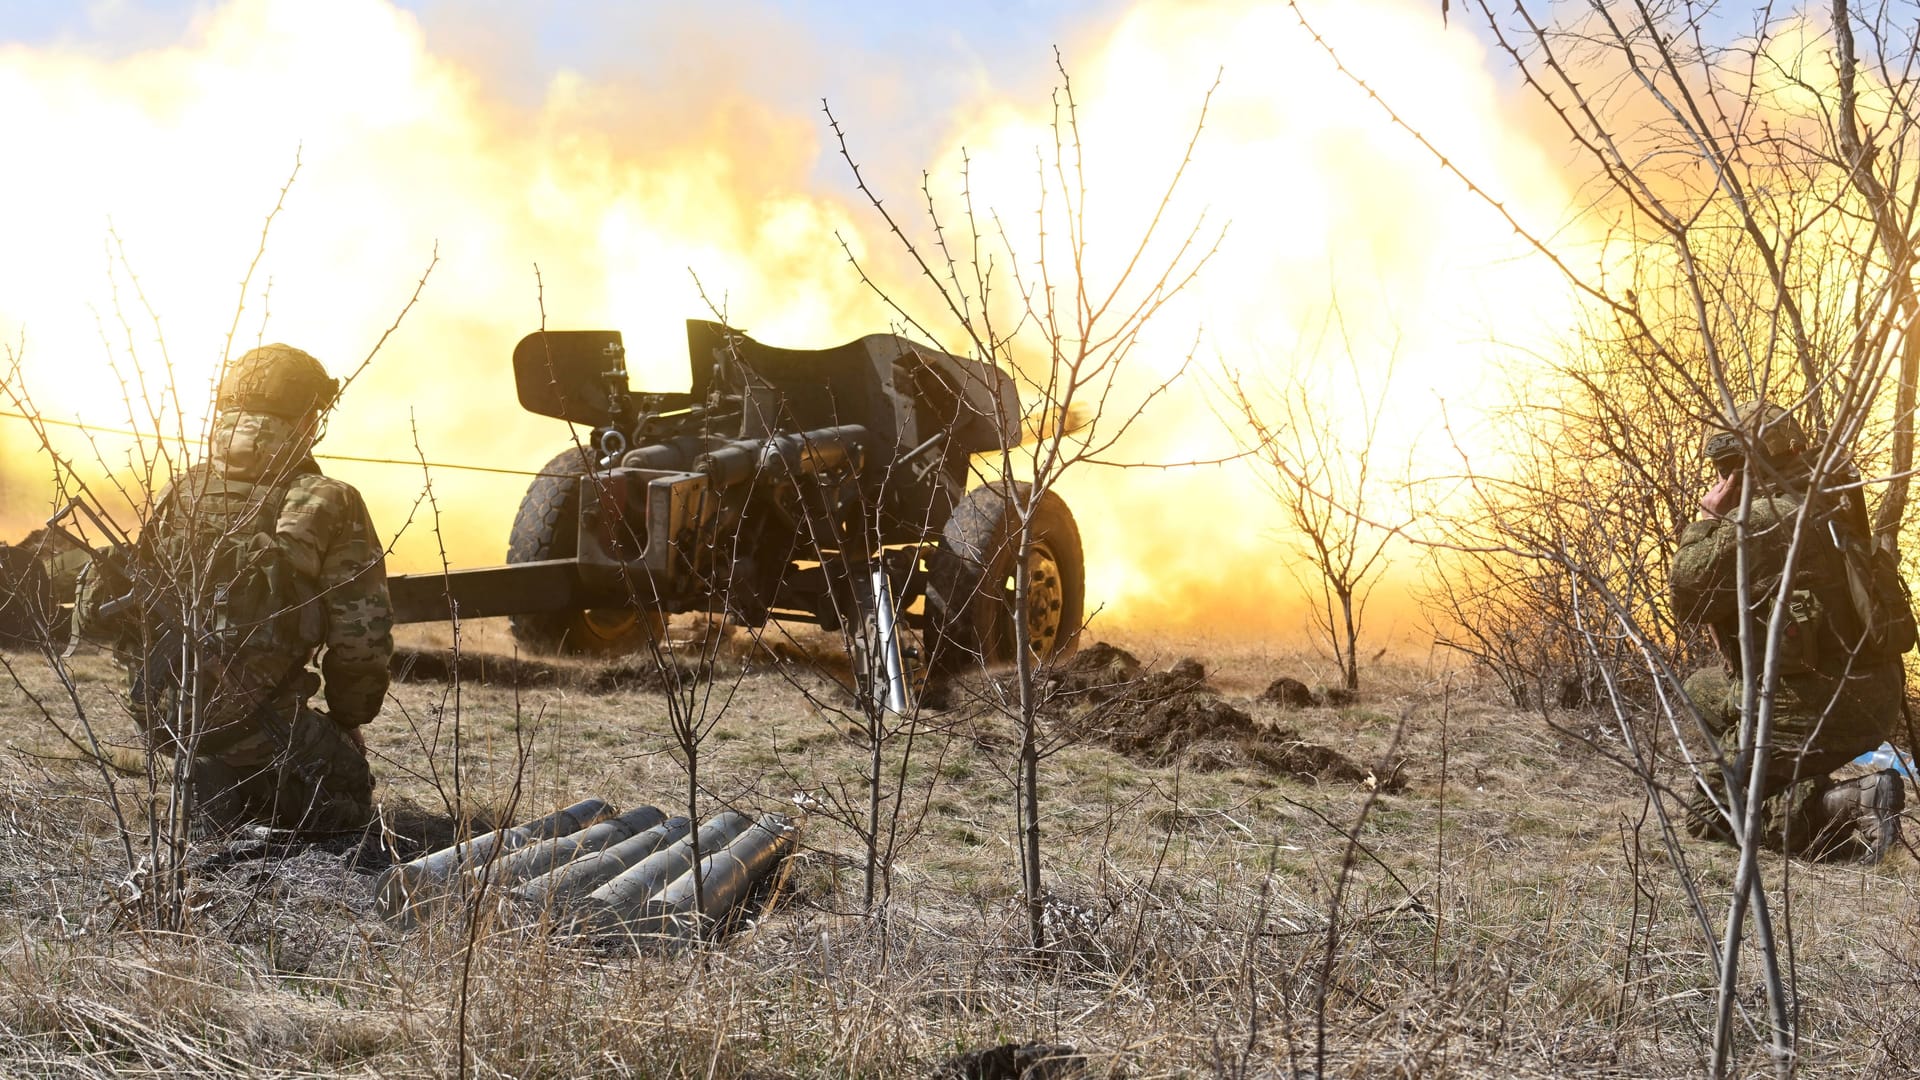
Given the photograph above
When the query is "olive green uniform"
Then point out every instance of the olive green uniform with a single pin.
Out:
(1833, 702)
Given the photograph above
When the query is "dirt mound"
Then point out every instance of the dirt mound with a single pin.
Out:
(1288, 693)
(1161, 715)
(1285, 752)
(440, 665)
(1189, 670)
(628, 673)
(1013, 1061)
(643, 673)
(1098, 665)
(1148, 725)
(1103, 672)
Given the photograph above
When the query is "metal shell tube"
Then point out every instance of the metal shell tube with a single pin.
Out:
(623, 900)
(402, 891)
(545, 856)
(588, 872)
(727, 876)
(893, 695)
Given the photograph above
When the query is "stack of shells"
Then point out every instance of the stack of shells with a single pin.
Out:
(599, 873)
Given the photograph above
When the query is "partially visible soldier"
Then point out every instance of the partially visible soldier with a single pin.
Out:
(274, 562)
(1841, 685)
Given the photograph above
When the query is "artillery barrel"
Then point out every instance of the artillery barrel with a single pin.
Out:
(404, 890)
(784, 457)
(545, 856)
(588, 872)
(623, 900)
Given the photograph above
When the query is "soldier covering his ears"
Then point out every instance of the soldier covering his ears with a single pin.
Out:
(1841, 684)
(252, 563)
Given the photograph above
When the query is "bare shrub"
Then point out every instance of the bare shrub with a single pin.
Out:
(1757, 246)
(998, 592)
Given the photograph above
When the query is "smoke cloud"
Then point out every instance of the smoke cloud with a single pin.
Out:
(632, 192)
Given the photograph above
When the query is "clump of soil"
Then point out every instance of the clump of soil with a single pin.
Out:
(1013, 1061)
(1099, 665)
(1288, 693)
(1161, 715)
(1189, 670)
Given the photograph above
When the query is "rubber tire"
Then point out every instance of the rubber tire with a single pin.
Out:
(547, 526)
(969, 591)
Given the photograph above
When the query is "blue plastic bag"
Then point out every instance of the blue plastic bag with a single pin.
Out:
(1886, 758)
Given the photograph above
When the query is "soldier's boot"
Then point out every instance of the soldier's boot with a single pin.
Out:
(226, 797)
(1862, 817)
(325, 783)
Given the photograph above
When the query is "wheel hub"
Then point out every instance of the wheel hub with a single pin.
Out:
(1046, 595)
(610, 623)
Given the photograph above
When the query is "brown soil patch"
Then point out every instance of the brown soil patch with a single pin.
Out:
(1289, 693)
(643, 672)
(442, 665)
(1162, 715)
(629, 673)
(1013, 1061)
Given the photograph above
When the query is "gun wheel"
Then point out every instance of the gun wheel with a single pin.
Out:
(547, 526)
(971, 580)
(1046, 599)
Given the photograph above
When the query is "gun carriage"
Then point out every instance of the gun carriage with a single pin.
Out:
(822, 486)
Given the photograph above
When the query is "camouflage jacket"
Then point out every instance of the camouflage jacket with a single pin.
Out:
(326, 537)
(1705, 577)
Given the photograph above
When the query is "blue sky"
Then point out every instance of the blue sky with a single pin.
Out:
(931, 57)
(1008, 33)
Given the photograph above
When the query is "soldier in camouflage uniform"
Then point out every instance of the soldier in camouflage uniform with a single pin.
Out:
(1836, 698)
(292, 567)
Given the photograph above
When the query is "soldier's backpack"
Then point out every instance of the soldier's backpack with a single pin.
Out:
(239, 624)
(1880, 599)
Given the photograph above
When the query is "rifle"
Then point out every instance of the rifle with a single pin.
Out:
(119, 557)
(165, 635)
(1879, 595)
(161, 667)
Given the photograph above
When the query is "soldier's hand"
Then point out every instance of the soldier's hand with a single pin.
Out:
(1722, 496)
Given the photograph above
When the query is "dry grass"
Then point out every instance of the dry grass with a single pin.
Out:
(1506, 941)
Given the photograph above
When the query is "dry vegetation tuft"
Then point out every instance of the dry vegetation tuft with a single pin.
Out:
(1506, 914)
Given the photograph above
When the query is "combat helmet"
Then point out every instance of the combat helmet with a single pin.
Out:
(1761, 423)
(279, 380)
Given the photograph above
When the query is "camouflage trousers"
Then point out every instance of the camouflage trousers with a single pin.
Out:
(1820, 723)
(295, 769)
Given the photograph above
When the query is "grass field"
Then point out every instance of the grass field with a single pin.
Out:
(1510, 912)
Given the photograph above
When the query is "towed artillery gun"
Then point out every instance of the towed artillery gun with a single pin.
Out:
(826, 486)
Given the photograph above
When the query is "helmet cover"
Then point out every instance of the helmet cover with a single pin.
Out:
(1755, 423)
(279, 380)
